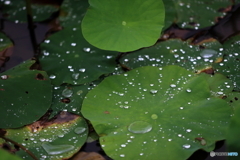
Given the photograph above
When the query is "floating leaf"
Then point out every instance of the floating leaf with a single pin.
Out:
(230, 64)
(25, 95)
(123, 25)
(79, 61)
(58, 138)
(167, 109)
(175, 52)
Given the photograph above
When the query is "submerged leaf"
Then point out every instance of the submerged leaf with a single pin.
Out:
(166, 108)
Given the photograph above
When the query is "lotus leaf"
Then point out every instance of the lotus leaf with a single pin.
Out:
(25, 95)
(58, 138)
(175, 52)
(123, 25)
(169, 109)
(79, 61)
(230, 65)
(196, 14)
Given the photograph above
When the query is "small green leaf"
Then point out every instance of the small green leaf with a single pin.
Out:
(169, 109)
(123, 25)
(25, 95)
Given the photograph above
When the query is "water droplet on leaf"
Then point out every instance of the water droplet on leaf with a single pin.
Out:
(186, 146)
(79, 130)
(56, 149)
(67, 92)
(140, 127)
(153, 91)
(208, 53)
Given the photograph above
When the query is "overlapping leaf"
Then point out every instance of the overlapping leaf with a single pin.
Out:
(25, 95)
(169, 109)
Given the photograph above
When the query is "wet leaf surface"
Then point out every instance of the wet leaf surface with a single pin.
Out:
(198, 14)
(22, 90)
(106, 26)
(57, 138)
(230, 65)
(175, 52)
(69, 98)
(169, 109)
(79, 61)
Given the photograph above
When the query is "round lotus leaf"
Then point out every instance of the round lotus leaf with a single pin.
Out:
(58, 138)
(123, 25)
(25, 95)
(168, 109)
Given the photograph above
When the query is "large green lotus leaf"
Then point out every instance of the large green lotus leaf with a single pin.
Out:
(69, 98)
(198, 14)
(79, 61)
(175, 52)
(16, 10)
(25, 95)
(123, 25)
(58, 138)
(5, 155)
(169, 109)
(230, 66)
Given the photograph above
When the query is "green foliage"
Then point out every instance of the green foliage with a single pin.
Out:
(5, 155)
(123, 25)
(149, 106)
(25, 95)
(165, 102)
(79, 61)
(58, 138)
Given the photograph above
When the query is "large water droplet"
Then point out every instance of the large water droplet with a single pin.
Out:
(67, 92)
(79, 130)
(186, 146)
(173, 85)
(208, 53)
(153, 91)
(52, 76)
(140, 127)
(188, 90)
(56, 149)
(188, 130)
